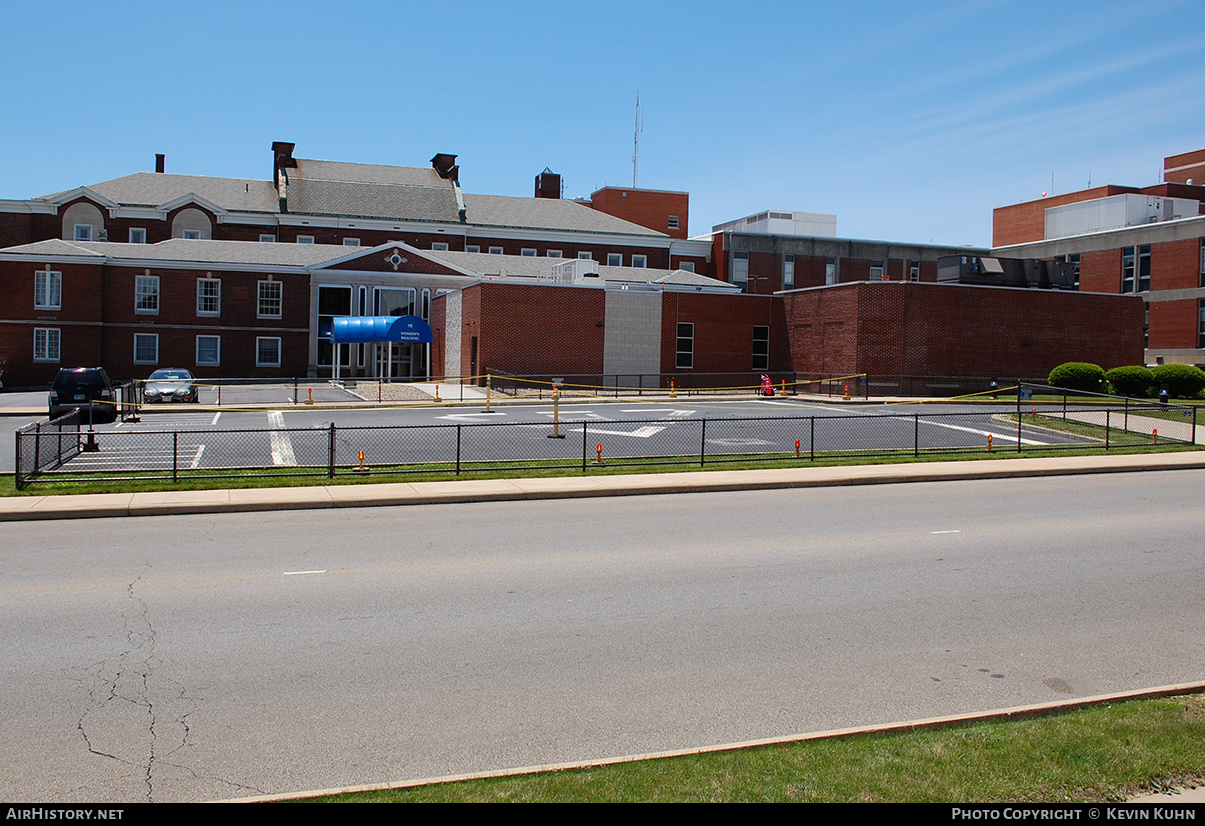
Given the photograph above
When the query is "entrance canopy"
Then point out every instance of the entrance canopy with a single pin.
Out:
(374, 328)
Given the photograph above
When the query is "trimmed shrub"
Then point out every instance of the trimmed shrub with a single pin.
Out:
(1183, 381)
(1076, 375)
(1135, 381)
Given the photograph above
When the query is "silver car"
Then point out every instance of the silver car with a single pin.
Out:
(171, 384)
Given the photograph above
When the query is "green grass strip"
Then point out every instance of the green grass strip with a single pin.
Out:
(1102, 753)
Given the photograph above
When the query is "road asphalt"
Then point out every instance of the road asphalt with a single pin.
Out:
(161, 503)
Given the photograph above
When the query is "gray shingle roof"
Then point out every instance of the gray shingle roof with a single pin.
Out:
(531, 266)
(362, 200)
(546, 214)
(367, 173)
(154, 188)
(193, 251)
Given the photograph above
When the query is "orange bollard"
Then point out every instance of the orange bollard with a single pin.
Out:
(989, 443)
(845, 398)
(1155, 435)
(310, 398)
(361, 468)
(796, 448)
(673, 391)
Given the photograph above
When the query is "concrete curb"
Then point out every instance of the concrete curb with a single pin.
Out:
(165, 503)
(1013, 713)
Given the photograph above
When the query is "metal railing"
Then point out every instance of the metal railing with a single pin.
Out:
(54, 452)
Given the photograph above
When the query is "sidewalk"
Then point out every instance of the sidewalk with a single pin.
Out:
(162, 503)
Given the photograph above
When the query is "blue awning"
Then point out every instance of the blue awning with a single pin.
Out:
(373, 328)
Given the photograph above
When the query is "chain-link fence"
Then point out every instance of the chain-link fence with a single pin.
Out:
(63, 452)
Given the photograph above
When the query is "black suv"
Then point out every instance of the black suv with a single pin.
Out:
(87, 389)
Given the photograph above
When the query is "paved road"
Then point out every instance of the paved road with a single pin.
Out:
(198, 658)
(293, 437)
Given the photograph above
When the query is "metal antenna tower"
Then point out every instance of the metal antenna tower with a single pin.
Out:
(636, 141)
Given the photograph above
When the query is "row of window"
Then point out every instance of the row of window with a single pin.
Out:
(48, 341)
(48, 295)
(84, 232)
(685, 348)
(878, 270)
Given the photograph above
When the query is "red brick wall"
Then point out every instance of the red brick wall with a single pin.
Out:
(723, 331)
(646, 207)
(1194, 160)
(1100, 271)
(1176, 266)
(951, 330)
(78, 321)
(1173, 324)
(1025, 222)
(15, 228)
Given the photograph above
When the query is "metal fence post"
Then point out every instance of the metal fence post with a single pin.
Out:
(1018, 415)
(17, 456)
(1106, 429)
(175, 456)
(915, 435)
(812, 440)
(294, 390)
(458, 448)
(1194, 425)
(584, 427)
(702, 443)
(330, 470)
(1125, 422)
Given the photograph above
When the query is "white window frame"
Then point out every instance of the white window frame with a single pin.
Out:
(641, 261)
(50, 348)
(137, 235)
(553, 254)
(209, 304)
(914, 271)
(614, 259)
(83, 232)
(47, 290)
(788, 273)
(528, 252)
(278, 299)
(265, 238)
(217, 349)
(305, 239)
(351, 242)
(878, 270)
(153, 338)
(439, 246)
(585, 256)
(686, 266)
(496, 251)
(259, 342)
(740, 269)
(190, 234)
(830, 272)
(472, 248)
(146, 294)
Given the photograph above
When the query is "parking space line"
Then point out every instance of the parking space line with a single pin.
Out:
(282, 445)
(196, 460)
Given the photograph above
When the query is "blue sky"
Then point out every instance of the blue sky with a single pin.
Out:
(911, 121)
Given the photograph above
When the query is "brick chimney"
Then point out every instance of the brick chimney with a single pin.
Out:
(445, 165)
(548, 184)
(160, 161)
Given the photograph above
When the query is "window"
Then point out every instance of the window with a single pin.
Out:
(761, 347)
(1200, 323)
(138, 236)
(439, 246)
(337, 301)
(673, 222)
(830, 271)
(877, 272)
(267, 239)
(1146, 324)
(48, 290)
(1136, 269)
(191, 234)
(528, 252)
(1202, 283)
(209, 296)
(640, 261)
(686, 346)
(46, 344)
(267, 352)
(83, 232)
(495, 250)
(351, 242)
(146, 294)
(472, 248)
(209, 351)
(585, 256)
(1074, 260)
(740, 269)
(686, 266)
(614, 259)
(146, 348)
(270, 293)
(305, 239)
(553, 253)
(914, 271)
(788, 275)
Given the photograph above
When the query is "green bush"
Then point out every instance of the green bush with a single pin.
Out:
(1135, 381)
(1183, 380)
(1076, 375)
